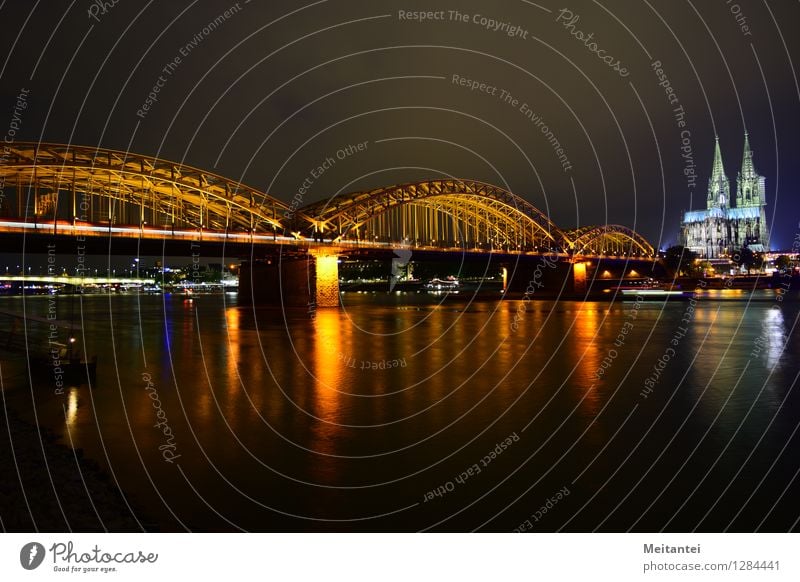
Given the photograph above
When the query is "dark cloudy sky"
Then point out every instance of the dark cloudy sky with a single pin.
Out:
(278, 87)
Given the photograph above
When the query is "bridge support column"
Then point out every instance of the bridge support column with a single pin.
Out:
(579, 277)
(326, 272)
(277, 282)
(309, 281)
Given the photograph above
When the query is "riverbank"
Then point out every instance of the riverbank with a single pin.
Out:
(49, 487)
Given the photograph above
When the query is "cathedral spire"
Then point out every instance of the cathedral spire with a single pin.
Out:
(718, 187)
(717, 171)
(748, 171)
(749, 185)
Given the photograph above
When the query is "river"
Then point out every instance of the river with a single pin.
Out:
(407, 411)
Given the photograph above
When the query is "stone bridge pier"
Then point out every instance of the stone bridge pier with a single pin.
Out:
(309, 280)
(575, 276)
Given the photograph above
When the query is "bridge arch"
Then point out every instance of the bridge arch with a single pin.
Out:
(607, 239)
(458, 211)
(109, 186)
(68, 182)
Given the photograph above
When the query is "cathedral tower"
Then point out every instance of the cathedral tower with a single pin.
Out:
(722, 228)
(749, 185)
(750, 225)
(718, 185)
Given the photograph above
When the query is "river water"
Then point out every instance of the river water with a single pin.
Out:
(403, 412)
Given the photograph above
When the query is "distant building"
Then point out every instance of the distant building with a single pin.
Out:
(722, 228)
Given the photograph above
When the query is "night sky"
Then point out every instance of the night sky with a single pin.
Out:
(273, 89)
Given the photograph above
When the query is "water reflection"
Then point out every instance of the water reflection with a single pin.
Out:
(586, 342)
(773, 335)
(456, 383)
(233, 359)
(329, 361)
(72, 406)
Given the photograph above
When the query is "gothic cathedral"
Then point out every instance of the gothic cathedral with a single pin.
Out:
(722, 228)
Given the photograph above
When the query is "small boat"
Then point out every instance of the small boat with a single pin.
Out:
(649, 290)
(449, 285)
(653, 294)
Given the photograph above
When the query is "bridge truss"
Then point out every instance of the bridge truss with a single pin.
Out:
(454, 212)
(88, 184)
(462, 213)
(611, 239)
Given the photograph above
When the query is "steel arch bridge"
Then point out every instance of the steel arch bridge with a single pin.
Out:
(93, 185)
(107, 186)
(607, 239)
(463, 212)
(457, 211)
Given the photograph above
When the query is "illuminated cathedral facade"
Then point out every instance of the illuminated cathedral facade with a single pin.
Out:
(724, 227)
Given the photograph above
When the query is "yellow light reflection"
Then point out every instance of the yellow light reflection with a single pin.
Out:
(233, 359)
(592, 350)
(232, 319)
(72, 406)
(328, 368)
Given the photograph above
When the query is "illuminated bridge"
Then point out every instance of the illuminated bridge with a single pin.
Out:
(88, 191)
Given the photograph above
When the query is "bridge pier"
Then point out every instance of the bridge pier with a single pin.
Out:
(578, 277)
(310, 280)
(536, 277)
(326, 277)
